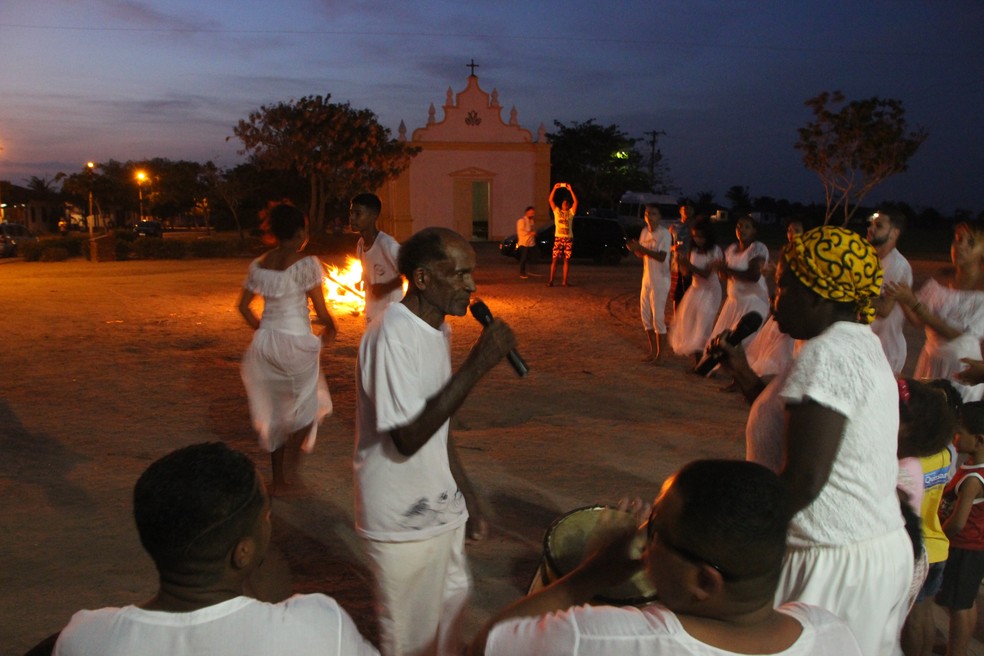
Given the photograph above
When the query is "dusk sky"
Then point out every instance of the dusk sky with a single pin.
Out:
(97, 79)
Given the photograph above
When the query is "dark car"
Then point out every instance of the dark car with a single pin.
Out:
(600, 239)
(12, 235)
(149, 229)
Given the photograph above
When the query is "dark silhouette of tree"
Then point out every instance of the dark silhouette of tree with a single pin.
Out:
(600, 162)
(854, 147)
(740, 199)
(338, 149)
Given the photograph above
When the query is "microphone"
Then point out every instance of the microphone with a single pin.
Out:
(747, 325)
(483, 315)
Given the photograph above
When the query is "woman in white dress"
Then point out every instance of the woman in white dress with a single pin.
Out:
(770, 350)
(828, 425)
(952, 314)
(742, 269)
(695, 315)
(281, 371)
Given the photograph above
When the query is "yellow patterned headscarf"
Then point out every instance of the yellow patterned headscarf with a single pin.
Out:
(838, 265)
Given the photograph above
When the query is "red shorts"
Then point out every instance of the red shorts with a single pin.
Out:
(562, 248)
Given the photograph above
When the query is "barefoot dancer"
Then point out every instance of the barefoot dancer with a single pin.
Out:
(281, 369)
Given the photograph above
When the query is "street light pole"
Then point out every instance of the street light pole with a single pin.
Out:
(91, 220)
(141, 176)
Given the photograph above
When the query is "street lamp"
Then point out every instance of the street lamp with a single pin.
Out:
(90, 219)
(141, 176)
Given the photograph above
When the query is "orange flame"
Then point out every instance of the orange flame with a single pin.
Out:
(343, 287)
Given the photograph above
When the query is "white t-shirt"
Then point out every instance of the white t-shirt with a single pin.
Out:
(302, 625)
(889, 329)
(612, 631)
(379, 265)
(525, 235)
(403, 361)
(844, 369)
(659, 241)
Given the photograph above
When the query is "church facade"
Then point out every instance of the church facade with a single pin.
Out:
(475, 173)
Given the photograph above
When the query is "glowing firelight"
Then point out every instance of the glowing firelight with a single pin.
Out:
(343, 287)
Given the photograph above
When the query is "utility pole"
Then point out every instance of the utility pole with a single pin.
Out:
(653, 136)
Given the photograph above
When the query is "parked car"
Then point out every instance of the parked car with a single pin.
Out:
(149, 229)
(11, 236)
(600, 239)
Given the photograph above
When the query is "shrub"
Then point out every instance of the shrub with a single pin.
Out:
(31, 252)
(149, 248)
(209, 248)
(54, 254)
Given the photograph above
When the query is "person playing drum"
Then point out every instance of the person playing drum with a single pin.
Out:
(715, 541)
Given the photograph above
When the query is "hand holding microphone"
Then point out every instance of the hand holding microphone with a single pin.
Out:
(713, 355)
(483, 315)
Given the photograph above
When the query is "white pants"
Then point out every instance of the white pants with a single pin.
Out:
(652, 302)
(421, 591)
(864, 583)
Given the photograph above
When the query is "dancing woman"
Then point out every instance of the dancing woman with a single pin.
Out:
(287, 394)
(952, 314)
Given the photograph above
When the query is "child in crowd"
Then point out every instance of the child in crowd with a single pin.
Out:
(698, 308)
(927, 423)
(963, 522)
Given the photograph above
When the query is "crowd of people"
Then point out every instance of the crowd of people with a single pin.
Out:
(848, 517)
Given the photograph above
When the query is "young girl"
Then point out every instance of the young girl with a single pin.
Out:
(694, 316)
(962, 512)
(287, 394)
(952, 314)
(927, 421)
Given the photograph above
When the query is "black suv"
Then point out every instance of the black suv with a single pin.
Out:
(600, 239)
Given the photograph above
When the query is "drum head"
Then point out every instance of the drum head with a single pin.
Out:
(564, 547)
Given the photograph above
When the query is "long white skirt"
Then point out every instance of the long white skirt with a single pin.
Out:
(286, 391)
(940, 358)
(695, 316)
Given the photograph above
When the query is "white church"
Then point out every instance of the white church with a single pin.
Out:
(475, 173)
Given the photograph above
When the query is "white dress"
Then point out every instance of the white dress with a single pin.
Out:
(847, 550)
(743, 296)
(698, 308)
(770, 350)
(281, 367)
(940, 357)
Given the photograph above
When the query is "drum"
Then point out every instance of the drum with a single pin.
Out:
(564, 546)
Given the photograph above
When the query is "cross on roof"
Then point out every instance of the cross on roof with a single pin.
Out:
(472, 66)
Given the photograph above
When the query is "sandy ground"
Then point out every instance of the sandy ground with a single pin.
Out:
(105, 367)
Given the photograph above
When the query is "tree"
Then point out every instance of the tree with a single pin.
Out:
(741, 200)
(854, 147)
(339, 150)
(600, 162)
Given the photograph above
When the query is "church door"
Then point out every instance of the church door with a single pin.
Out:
(472, 208)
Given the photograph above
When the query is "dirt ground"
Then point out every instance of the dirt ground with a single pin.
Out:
(105, 367)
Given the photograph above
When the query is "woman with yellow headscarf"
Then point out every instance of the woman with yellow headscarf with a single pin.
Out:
(828, 425)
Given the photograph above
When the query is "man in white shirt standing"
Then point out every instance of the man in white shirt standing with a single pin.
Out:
(378, 252)
(714, 545)
(525, 238)
(414, 503)
(653, 246)
(884, 230)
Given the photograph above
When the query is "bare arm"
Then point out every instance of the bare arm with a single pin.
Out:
(573, 200)
(379, 289)
(244, 309)
(496, 340)
(609, 565)
(973, 374)
(751, 274)
(642, 251)
(478, 508)
(918, 313)
(813, 437)
(735, 363)
(550, 199)
(970, 489)
(318, 300)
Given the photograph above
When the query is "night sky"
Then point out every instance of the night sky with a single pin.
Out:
(726, 81)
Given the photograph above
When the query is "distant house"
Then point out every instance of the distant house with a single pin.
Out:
(37, 211)
(475, 173)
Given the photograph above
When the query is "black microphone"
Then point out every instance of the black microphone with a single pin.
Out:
(483, 315)
(747, 325)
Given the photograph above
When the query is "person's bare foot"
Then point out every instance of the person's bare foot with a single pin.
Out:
(550, 283)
